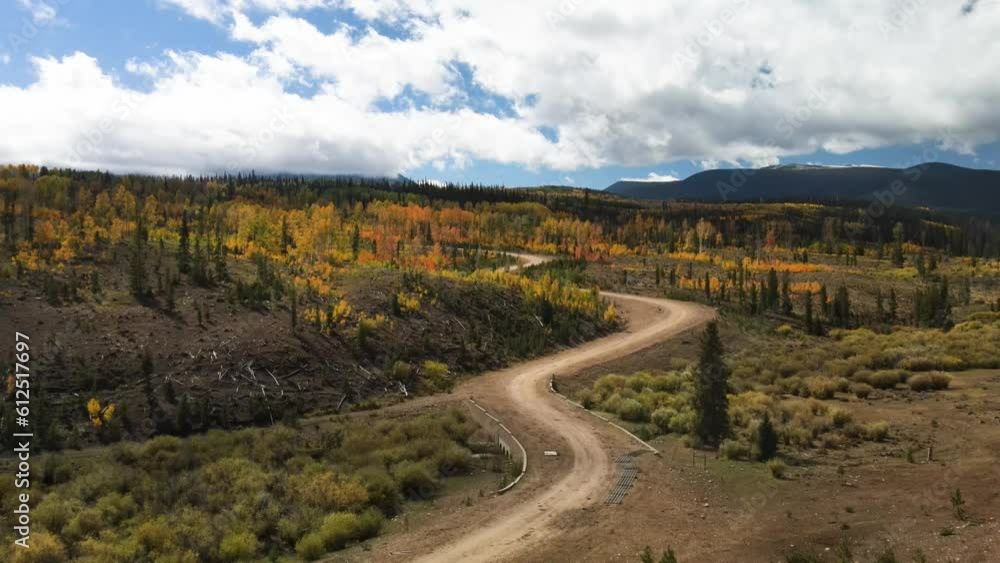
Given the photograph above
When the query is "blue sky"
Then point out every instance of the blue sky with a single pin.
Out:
(527, 93)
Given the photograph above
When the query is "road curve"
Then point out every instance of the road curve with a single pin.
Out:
(521, 392)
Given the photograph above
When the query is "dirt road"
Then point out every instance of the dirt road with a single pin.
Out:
(521, 397)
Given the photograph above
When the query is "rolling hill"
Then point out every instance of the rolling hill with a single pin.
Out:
(935, 185)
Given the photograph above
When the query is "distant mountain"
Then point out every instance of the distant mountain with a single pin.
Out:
(935, 185)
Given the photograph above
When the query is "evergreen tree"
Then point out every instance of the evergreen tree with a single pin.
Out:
(771, 296)
(137, 260)
(286, 237)
(95, 283)
(767, 439)
(219, 259)
(184, 246)
(711, 384)
(841, 310)
(183, 423)
(898, 232)
(808, 306)
(786, 294)
(356, 241)
(824, 301)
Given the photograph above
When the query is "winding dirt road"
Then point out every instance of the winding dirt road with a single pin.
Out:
(520, 396)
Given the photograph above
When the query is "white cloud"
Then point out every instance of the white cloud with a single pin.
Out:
(211, 10)
(630, 83)
(653, 177)
(568, 180)
(5, 58)
(41, 12)
(211, 113)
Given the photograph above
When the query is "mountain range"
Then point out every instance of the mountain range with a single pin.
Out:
(934, 185)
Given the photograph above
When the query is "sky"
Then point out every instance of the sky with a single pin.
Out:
(518, 92)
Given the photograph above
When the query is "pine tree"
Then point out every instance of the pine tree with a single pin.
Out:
(824, 301)
(711, 383)
(219, 259)
(898, 232)
(771, 297)
(184, 246)
(95, 283)
(808, 306)
(767, 439)
(786, 294)
(841, 316)
(183, 423)
(356, 241)
(286, 237)
(137, 260)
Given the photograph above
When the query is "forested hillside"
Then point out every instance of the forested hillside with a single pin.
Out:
(191, 303)
(934, 185)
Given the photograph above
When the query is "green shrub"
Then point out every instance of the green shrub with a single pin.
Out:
(798, 436)
(783, 330)
(842, 384)
(776, 468)
(453, 460)
(56, 469)
(876, 431)
(88, 523)
(668, 383)
(863, 376)
(840, 417)
(662, 418)
(940, 380)
(888, 379)
(55, 511)
(632, 411)
(436, 375)
(330, 491)
(733, 450)
(45, 548)
(238, 546)
(401, 371)
(414, 477)
(790, 385)
(862, 390)
(311, 547)
(341, 528)
(682, 422)
(821, 388)
(156, 535)
(931, 381)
